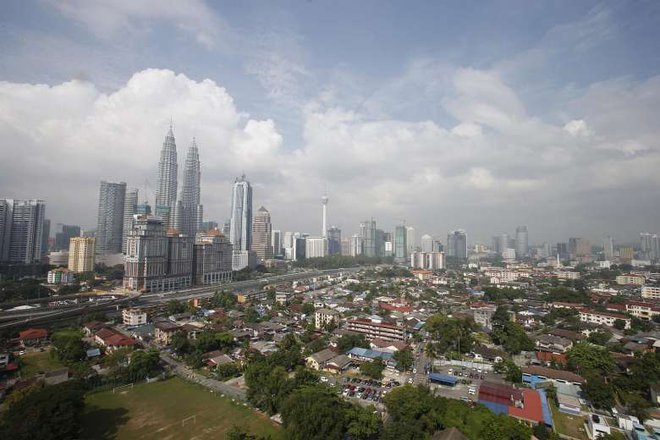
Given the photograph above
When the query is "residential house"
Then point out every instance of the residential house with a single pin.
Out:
(164, 330)
(33, 337)
(553, 344)
(133, 317)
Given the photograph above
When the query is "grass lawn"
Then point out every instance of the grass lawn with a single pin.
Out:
(38, 362)
(157, 410)
(567, 424)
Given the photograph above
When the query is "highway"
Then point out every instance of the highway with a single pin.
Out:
(22, 318)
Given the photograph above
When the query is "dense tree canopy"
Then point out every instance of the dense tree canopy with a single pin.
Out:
(51, 412)
(585, 358)
(404, 360)
(449, 334)
(346, 342)
(373, 369)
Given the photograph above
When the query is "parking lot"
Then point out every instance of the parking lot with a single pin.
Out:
(468, 378)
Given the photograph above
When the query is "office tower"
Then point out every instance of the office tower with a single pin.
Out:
(6, 214)
(277, 242)
(368, 235)
(427, 243)
(191, 210)
(579, 249)
(21, 230)
(495, 244)
(299, 249)
(522, 242)
(316, 247)
(346, 247)
(130, 209)
(240, 234)
(427, 260)
(212, 261)
(357, 245)
(143, 209)
(226, 228)
(110, 217)
(45, 237)
(380, 243)
(167, 180)
(562, 251)
(64, 233)
(324, 202)
(608, 248)
(646, 245)
(411, 240)
(503, 244)
(81, 254)
(655, 248)
(457, 244)
(262, 234)
(400, 246)
(334, 241)
(156, 261)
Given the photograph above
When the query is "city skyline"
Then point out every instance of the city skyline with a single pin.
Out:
(446, 126)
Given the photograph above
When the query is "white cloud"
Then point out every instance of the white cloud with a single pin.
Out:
(112, 18)
(494, 157)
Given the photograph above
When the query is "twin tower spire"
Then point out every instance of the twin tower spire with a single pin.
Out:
(184, 214)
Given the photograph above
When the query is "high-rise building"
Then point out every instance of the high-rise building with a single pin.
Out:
(368, 235)
(6, 215)
(324, 228)
(143, 209)
(411, 239)
(380, 243)
(167, 180)
(210, 225)
(212, 262)
(316, 247)
(427, 243)
(334, 241)
(427, 260)
(81, 254)
(400, 246)
(240, 234)
(522, 242)
(64, 233)
(562, 251)
(356, 245)
(262, 234)
(226, 228)
(130, 209)
(277, 242)
(579, 249)
(190, 217)
(110, 217)
(457, 244)
(45, 238)
(21, 230)
(346, 247)
(608, 248)
(157, 261)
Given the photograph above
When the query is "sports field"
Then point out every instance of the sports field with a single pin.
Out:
(165, 410)
(38, 362)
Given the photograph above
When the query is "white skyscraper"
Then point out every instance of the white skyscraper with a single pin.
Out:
(411, 239)
(427, 243)
(190, 217)
(240, 232)
(167, 180)
(324, 201)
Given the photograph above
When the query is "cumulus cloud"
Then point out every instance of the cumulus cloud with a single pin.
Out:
(495, 161)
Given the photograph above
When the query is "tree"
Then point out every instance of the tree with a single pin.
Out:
(502, 427)
(619, 324)
(51, 412)
(450, 333)
(308, 308)
(313, 412)
(404, 359)
(584, 357)
(600, 337)
(68, 346)
(512, 372)
(373, 369)
(174, 307)
(144, 364)
(600, 393)
(349, 341)
(362, 423)
(180, 343)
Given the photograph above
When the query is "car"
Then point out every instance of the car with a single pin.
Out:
(323, 379)
(351, 393)
(451, 371)
(410, 380)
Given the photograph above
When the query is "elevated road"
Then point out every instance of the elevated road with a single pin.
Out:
(42, 315)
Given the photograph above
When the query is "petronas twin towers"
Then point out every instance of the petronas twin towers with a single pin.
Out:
(184, 214)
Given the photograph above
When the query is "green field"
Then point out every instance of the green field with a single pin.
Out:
(38, 362)
(572, 426)
(158, 411)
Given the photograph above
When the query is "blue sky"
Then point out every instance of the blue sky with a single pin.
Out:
(440, 113)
